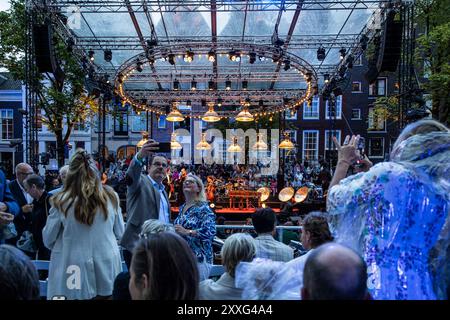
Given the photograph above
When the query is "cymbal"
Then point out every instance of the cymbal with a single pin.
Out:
(265, 193)
(301, 194)
(286, 194)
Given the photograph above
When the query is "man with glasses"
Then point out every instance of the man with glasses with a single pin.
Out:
(22, 221)
(146, 197)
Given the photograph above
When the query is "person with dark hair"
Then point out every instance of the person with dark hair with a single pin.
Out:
(334, 272)
(8, 210)
(34, 185)
(82, 230)
(18, 277)
(146, 195)
(163, 267)
(264, 222)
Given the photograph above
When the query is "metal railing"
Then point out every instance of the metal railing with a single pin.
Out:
(280, 229)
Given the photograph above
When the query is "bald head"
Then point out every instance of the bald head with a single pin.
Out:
(334, 272)
(23, 170)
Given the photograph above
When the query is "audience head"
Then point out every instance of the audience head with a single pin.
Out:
(23, 170)
(419, 127)
(34, 185)
(19, 279)
(157, 168)
(153, 226)
(83, 190)
(334, 272)
(264, 220)
(193, 188)
(237, 247)
(163, 267)
(63, 172)
(315, 230)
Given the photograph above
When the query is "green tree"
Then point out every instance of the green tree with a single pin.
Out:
(433, 54)
(63, 100)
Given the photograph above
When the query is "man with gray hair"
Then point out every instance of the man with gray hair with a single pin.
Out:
(22, 221)
(62, 175)
(239, 247)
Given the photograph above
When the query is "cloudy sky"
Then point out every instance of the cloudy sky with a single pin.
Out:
(4, 5)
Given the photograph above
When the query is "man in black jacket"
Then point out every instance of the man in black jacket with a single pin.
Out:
(22, 221)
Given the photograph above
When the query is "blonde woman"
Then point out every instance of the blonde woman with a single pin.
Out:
(197, 224)
(82, 231)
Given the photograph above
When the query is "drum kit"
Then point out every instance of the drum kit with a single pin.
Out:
(307, 192)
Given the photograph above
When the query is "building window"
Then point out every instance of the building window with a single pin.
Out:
(378, 88)
(356, 86)
(377, 121)
(7, 118)
(138, 122)
(162, 122)
(290, 114)
(356, 114)
(376, 147)
(98, 125)
(292, 135)
(329, 114)
(310, 145)
(312, 111)
(121, 124)
(328, 142)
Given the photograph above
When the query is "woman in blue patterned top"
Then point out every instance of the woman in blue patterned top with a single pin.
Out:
(197, 224)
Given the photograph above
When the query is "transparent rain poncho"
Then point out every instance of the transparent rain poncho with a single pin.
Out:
(394, 216)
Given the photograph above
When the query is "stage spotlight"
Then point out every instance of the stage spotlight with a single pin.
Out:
(152, 43)
(350, 60)
(252, 57)
(321, 54)
(189, 103)
(91, 54)
(363, 41)
(176, 85)
(106, 79)
(326, 77)
(244, 85)
(120, 78)
(171, 59)
(151, 60)
(219, 102)
(107, 55)
(212, 205)
(139, 66)
(210, 85)
(211, 56)
(287, 64)
(193, 84)
(228, 85)
(238, 56)
(342, 53)
(189, 56)
(275, 58)
(232, 55)
(261, 58)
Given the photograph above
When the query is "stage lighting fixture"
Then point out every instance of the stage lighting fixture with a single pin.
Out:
(139, 66)
(287, 64)
(232, 55)
(152, 43)
(308, 77)
(219, 102)
(350, 60)
(342, 53)
(285, 102)
(261, 58)
(107, 55)
(244, 85)
(210, 85)
(228, 85)
(151, 60)
(261, 103)
(189, 103)
(193, 84)
(176, 85)
(252, 57)
(106, 79)
(238, 56)
(171, 59)
(363, 41)
(321, 54)
(326, 77)
(91, 54)
(189, 56)
(211, 56)
(275, 58)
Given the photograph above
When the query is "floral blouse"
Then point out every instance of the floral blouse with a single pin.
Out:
(201, 219)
